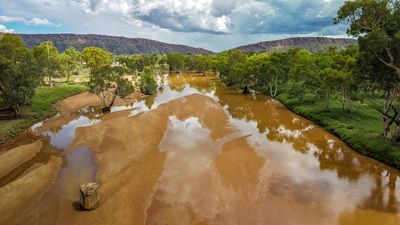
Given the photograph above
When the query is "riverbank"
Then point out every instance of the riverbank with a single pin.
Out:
(360, 129)
(40, 109)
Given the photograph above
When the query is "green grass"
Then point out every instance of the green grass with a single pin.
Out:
(40, 109)
(362, 129)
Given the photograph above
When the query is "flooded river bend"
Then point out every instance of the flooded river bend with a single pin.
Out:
(199, 153)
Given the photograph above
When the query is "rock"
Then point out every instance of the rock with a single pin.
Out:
(89, 198)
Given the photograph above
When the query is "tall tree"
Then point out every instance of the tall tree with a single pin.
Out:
(46, 55)
(106, 81)
(69, 61)
(19, 74)
(176, 62)
(96, 58)
(376, 24)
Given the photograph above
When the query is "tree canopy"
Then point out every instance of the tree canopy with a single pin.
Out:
(19, 73)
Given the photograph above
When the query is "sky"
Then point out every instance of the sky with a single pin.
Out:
(211, 24)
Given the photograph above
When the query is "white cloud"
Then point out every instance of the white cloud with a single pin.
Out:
(8, 19)
(4, 29)
(221, 17)
(41, 22)
(35, 21)
(212, 24)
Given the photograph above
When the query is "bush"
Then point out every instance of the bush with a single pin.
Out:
(148, 83)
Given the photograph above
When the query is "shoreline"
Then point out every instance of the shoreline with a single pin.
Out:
(18, 126)
(382, 155)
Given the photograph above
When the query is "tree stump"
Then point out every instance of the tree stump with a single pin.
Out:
(89, 197)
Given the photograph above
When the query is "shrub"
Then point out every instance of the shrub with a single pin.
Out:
(148, 83)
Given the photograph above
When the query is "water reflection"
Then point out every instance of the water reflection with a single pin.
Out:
(268, 166)
(320, 151)
(61, 137)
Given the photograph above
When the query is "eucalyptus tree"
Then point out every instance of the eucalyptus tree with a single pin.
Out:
(46, 55)
(304, 68)
(106, 81)
(231, 67)
(147, 82)
(69, 60)
(176, 61)
(376, 24)
(96, 58)
(19, 73)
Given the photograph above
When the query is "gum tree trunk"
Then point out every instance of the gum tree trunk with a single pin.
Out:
(107, 108)
(397, 121)
(246, 90)
(387, 122)
(15, 111)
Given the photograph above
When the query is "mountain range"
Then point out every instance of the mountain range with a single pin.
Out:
(313, 44)
(124, 45)
(115, 45)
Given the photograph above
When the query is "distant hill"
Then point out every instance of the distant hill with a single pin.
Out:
(313, 44)
(115, 45)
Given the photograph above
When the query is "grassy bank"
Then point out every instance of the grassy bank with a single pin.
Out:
(40, 109)
(362, 129)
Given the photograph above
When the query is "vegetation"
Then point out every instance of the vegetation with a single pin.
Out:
(106, 81)
(148, 83)
(70, 61)
(46, 55)
(39, 109)
(376, 24)
(19, 75)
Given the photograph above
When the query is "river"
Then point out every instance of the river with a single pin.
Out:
(197, 152)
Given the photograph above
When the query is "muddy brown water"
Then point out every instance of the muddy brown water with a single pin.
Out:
(224, 158)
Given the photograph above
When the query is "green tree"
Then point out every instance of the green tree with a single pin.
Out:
(69, 61)
(46, 55)
(96, 58)
(231, 67)
(376, 24)
(19, 74)
(241, 77)
(147, 83)
(176, 61)
(304, 67)
(269, 71)
(203, 63)
(106, 81)
(348, 78)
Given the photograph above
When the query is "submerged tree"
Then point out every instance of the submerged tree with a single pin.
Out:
(147, 82)
(176, 62)
(19, 74)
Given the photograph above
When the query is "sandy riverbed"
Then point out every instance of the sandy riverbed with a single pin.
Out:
(186, 159)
